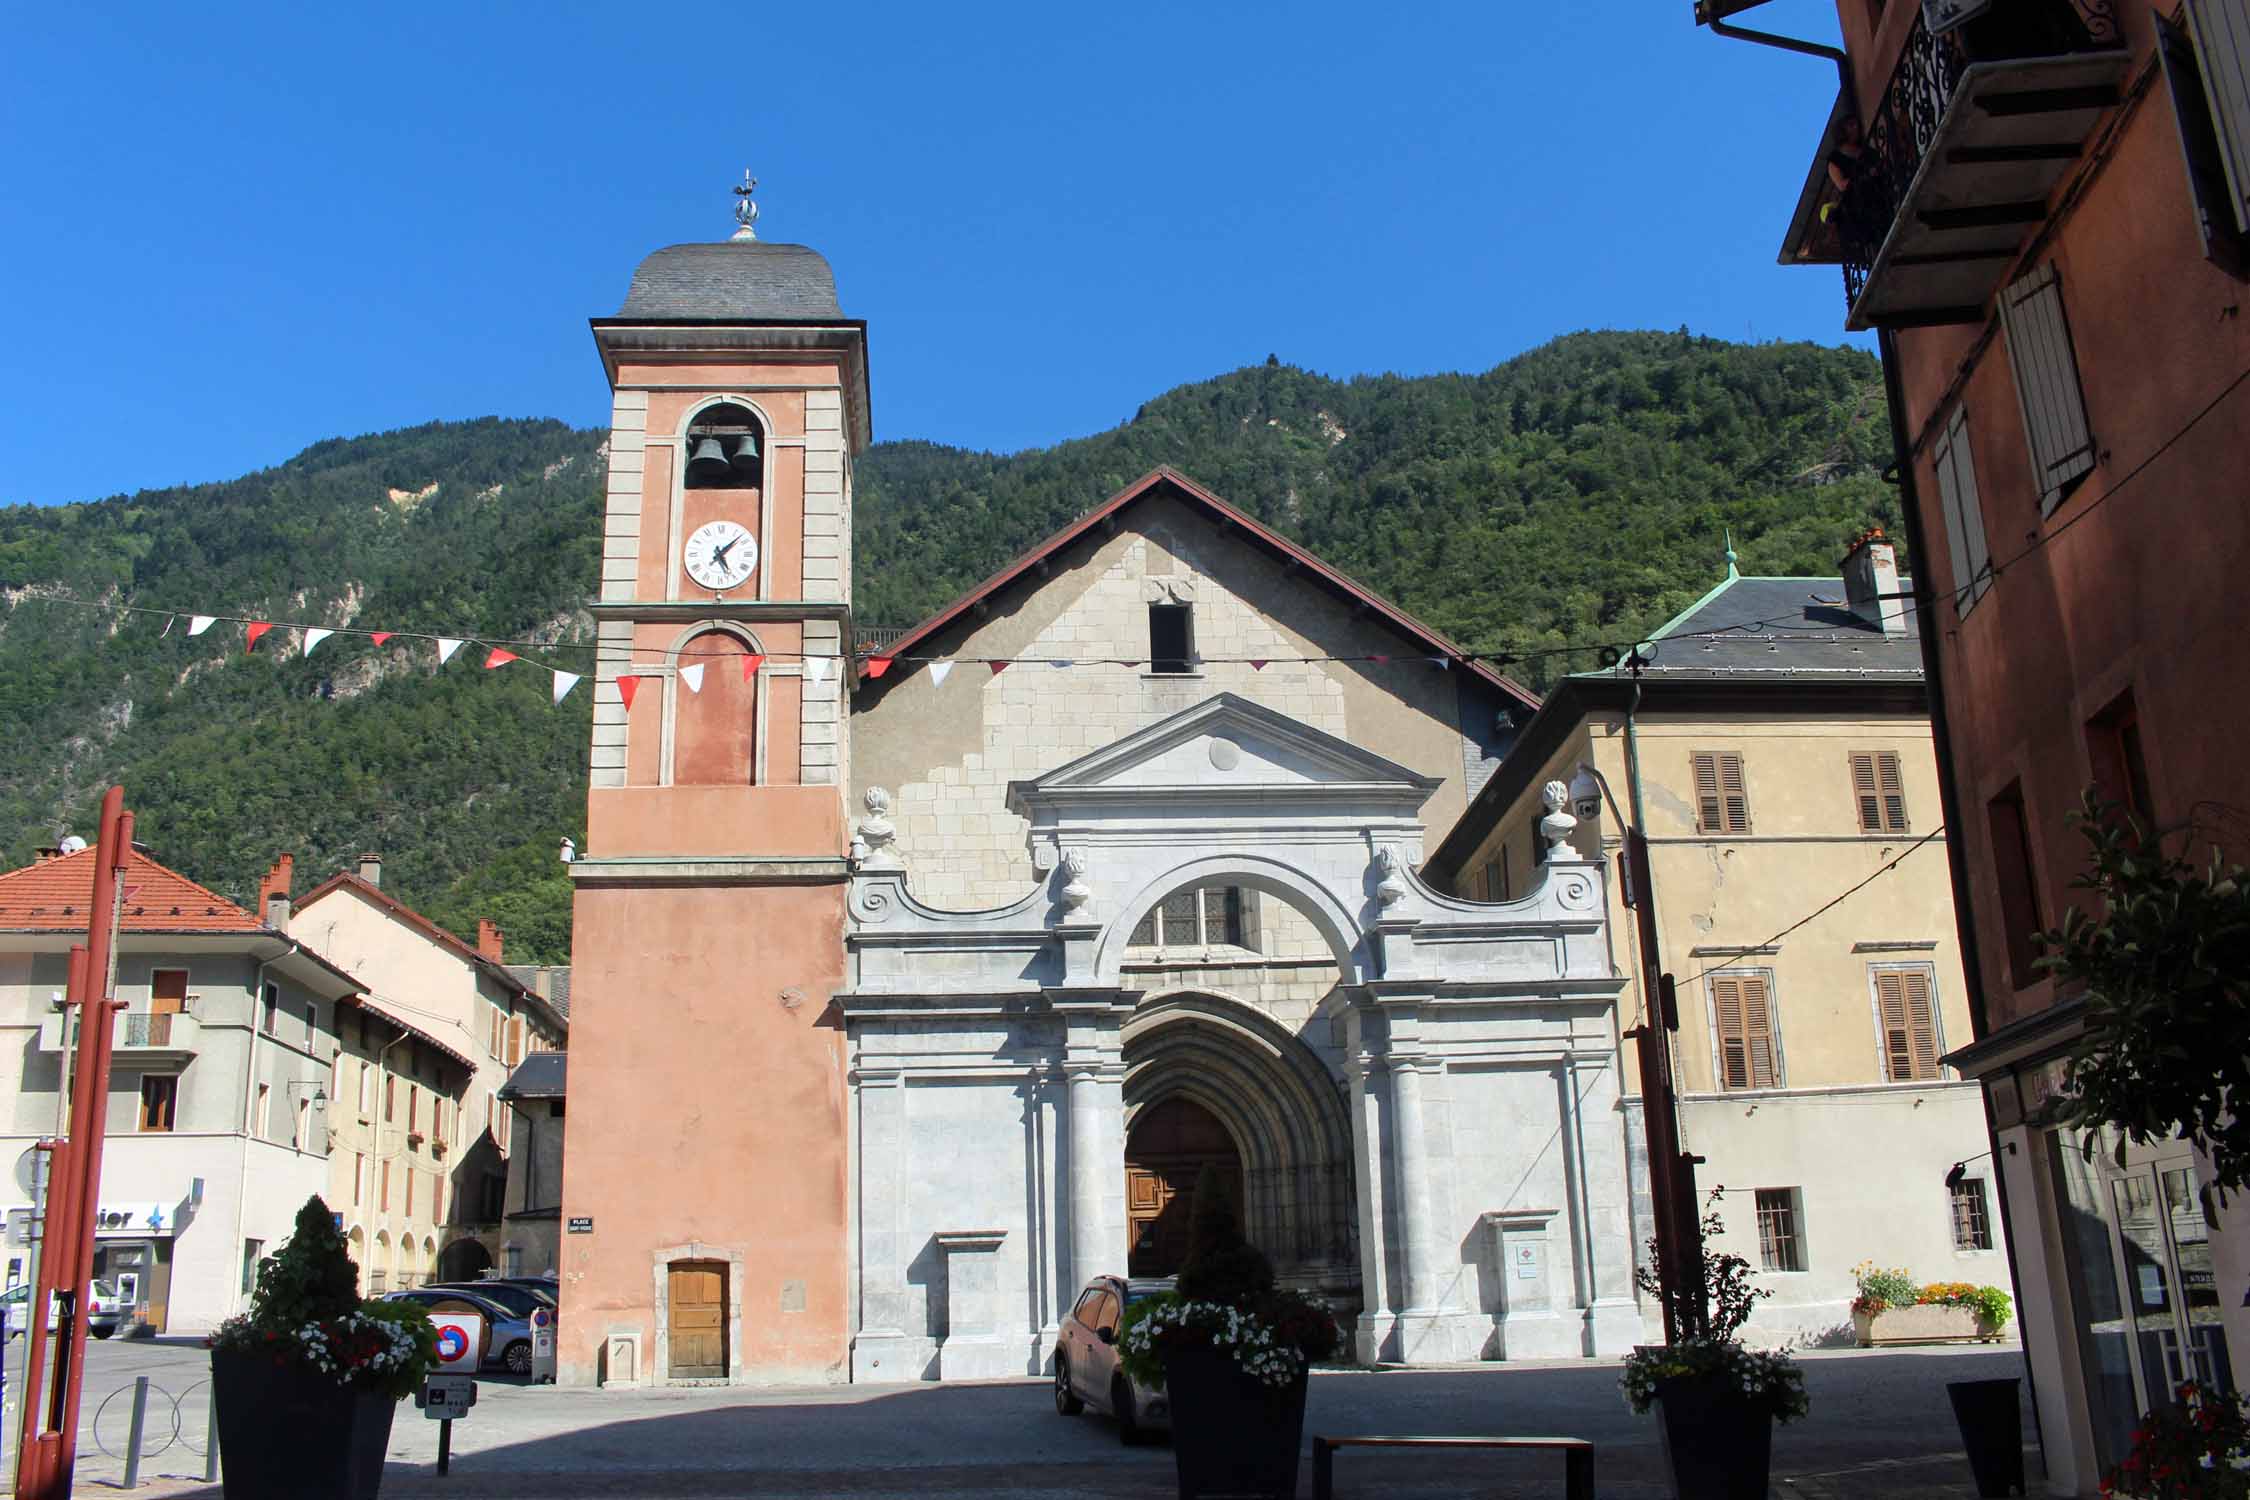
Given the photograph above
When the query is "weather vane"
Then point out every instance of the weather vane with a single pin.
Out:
(746, 212)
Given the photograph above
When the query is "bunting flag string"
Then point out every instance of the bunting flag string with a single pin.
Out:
(169, 622)
(692, 678)
(750, 665)
(446, 646)
(379, 636)
(197, 624)
(939, 671)
(314, 635)
(257, 631)
(627, 685)
(500, 658)
(877, 666)
(816, 669)
(564, 682)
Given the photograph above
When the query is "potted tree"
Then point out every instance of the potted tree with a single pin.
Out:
(306, 1381)
(1234, 1352)
(1717, 1401)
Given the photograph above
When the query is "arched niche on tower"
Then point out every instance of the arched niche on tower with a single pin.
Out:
(712, 710)
(725, 466)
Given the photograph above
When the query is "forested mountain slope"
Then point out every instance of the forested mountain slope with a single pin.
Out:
(1575, 494)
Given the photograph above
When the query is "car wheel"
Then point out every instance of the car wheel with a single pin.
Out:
(101, 1330)
(1129, 1429)
(518, 1357)
(1066, 1400)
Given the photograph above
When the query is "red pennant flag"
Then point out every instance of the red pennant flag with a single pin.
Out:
(627, 686)
(500, 658)
(379, 636)
(1380, 661)
(750, 665)
(878, 665)
(998, 665)
(1257, 666)
(257, 629)
(1121, 661)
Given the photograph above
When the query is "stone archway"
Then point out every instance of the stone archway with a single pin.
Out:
(1277, 1105)
(1168, 1148)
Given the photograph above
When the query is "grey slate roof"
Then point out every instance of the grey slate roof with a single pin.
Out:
(1759, 628)
(551, 982)
(541, 1075)
(733, 281)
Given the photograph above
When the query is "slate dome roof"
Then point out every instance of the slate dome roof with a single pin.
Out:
(735, 280)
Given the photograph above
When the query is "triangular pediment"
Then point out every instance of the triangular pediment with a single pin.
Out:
(1225, 744)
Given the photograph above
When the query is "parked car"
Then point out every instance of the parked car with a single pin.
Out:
(106, 1311)
(1086, 1367)
(507, 1334)
(515, 1297)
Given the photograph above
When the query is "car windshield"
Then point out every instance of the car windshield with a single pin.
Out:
(104, 1288)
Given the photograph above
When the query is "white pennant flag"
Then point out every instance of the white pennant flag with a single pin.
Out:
(446, 646)
(314, 636)
(816, 669)
(564, 682)
(693, 677)
(939, 670)
(197, 624)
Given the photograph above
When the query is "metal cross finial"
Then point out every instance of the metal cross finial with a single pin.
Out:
(746, 212)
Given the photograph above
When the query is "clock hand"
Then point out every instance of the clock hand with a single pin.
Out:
(719, 554)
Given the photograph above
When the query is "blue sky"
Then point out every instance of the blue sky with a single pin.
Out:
(230, 231)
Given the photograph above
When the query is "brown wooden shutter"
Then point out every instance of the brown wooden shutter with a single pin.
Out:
(1965, 536)
(1921, 1023)
(1890, 999)
(1864, 793)
(1879, 791)
(2046, 369)
(1757, 1025)
(1733, 794)
(1893, 787)
(515, 1040)
(1710, 813)
(1726, 1009)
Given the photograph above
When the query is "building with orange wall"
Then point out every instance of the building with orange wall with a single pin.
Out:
(2042, 209)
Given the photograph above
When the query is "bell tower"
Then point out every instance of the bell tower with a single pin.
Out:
(706, 1156)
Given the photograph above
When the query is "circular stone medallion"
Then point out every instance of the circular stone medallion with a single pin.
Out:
(1225, 754)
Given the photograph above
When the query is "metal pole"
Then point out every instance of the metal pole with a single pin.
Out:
(133, 1438)
(444, 1446)
(211, 1439)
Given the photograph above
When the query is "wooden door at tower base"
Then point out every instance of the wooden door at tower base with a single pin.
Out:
(696, 1292)
(1169, 1147)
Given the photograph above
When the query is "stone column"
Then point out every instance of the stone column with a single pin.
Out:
(1087, 1253)
(879, 1347)
(1411, 1159)
(1601, 1204)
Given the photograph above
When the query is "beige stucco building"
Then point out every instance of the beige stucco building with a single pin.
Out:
(422, 1138)
(1784, 759)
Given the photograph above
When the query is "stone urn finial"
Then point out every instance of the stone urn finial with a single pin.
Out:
(1391, 888)
(1075, 891)
(1559, 823)
(874, 840)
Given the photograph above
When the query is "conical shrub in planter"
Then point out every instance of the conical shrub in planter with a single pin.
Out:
(307, 1380)
(1234, 1354)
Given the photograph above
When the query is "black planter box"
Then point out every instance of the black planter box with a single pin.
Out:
(283, 1436)
(1990, 1414)
(1232, 1435)
(1718, 1443)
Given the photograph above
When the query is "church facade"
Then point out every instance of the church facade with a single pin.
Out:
(930, 980)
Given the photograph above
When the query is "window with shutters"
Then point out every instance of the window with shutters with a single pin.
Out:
(1972, 1215)
(2047, 388)
(160, 1095)
(2203, 96)
(1781, 1237)
(1878, 792)
(2014, 872)
(1742, 1015)
(2113, 748)
(1722, 805)
(1906, 1020)
(1965, 536)
(515, 1040)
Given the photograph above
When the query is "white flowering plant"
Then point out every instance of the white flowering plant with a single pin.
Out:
(1270, 1340)
(1767, 1377)
(306, 1314)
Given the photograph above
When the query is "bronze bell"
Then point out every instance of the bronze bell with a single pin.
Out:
(746, 452)
(708, 464)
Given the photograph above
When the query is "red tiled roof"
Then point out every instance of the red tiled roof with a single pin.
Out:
(1165, 477)
(54, 894)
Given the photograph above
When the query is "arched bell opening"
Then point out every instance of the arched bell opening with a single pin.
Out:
(726, 449)
(1194, 1062)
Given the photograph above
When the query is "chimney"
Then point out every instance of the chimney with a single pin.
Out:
(489, 939)
(371, 869)
(273, 892)
(1871, 582)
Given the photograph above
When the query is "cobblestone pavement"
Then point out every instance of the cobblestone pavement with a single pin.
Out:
(1881, 1428)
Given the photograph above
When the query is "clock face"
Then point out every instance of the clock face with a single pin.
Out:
(721, 555)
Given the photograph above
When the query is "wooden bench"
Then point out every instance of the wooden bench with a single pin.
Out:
(1578, 1457)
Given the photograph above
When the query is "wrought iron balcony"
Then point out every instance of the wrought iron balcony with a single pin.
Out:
(141, 1036)
(1958, 159)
